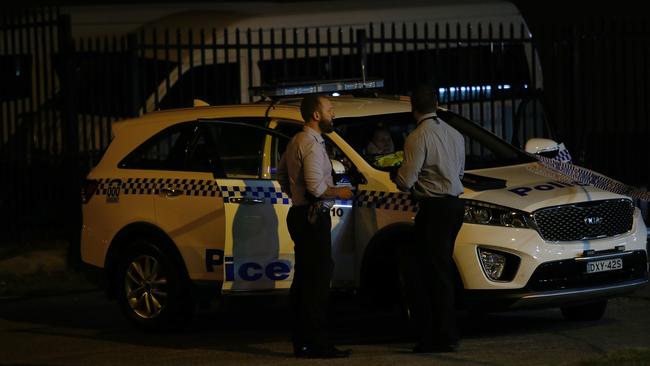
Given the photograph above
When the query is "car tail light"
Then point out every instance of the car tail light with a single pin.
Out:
(88, 188)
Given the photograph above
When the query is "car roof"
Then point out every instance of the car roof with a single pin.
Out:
(344, 106)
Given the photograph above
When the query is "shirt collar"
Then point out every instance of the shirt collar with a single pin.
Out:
(431, 116)
(314, 134)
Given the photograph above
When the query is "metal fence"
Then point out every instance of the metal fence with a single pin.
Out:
(65, 93)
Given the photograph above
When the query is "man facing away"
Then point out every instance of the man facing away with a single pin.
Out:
(305, 174)
(434, 160)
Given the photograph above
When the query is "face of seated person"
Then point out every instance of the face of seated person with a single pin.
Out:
(381, 143)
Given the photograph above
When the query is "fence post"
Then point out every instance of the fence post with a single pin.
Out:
(71, 168)
(134, 76)
(362, 51)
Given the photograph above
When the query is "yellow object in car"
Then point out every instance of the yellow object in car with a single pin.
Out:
(394, 159)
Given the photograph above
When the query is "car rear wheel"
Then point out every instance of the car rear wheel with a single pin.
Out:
(585, 312)
(151, 291)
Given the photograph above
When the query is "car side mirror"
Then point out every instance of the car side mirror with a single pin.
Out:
(548, 148)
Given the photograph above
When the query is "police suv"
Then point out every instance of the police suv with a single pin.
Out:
(187, 200)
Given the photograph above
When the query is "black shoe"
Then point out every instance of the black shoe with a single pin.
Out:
(435, 348)
(329, 352)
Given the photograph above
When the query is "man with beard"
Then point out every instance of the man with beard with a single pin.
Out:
(305, 174)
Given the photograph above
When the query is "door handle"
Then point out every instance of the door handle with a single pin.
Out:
(171, 192)
(247, 200)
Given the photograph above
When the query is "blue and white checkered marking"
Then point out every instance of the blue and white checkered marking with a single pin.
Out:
(275, 196)
(398, 201)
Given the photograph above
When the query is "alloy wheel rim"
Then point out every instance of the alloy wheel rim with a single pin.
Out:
(146, 287)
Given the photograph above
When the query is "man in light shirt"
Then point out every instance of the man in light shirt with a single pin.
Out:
(434, 161)
(305, 174)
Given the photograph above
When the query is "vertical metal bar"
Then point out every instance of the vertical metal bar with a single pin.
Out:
(492, 84)
(238, 59)
(458, 48)
(519, 89)
(447, 62)
(470, 90)
(142, 72)
(351, 47)
(27, 199)
(272, 69)
(215, 67)
(284, 54)
(539, 123)
(307, 61)
(168, 68)
(37, 105)
(156, 97)
(190, 70)
(226, 63)
(382, 47)
(480, 82)
(179, 59)
(501, 72)
(427, 59)
(249, 53)
(84, 53)
(370, 61)
(13, 112)
(341, 64)
(405, 59)
(260, 43)
(204, 85)
(318, 55)
(134, 75)
(71, 140)
(440, 63)
(330, 64)
(416, 64)
(396, 80)
(361, 51)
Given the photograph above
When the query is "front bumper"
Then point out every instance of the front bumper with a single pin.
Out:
(564, 282)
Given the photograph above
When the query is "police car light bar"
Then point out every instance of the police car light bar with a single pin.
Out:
(316, 87)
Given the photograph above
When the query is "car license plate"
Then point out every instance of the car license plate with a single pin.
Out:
(604, 265)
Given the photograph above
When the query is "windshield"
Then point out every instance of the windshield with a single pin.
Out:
(380, 140)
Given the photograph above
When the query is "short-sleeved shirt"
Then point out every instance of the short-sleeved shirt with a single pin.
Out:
(434, 160)
(305, 167)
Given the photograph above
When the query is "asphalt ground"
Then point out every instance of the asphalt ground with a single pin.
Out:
(50, 315)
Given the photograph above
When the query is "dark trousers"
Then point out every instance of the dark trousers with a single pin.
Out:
(432, 289)
(313, 267)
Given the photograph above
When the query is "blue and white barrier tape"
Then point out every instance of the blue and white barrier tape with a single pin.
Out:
(568, 173)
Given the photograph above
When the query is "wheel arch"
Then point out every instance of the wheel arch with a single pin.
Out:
(379, 272)
(125, 236)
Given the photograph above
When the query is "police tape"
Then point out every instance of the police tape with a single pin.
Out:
(569, 173)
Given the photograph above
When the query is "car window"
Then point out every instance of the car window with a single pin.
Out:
(164, 151)
(380, 140)
(279, 145)
(232, 150)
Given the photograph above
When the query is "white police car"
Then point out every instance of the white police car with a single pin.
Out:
(186, 200)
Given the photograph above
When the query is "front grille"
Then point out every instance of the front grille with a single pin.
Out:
(585, 220)
(570, 274)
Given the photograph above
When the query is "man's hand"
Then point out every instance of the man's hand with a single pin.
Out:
(344, 193)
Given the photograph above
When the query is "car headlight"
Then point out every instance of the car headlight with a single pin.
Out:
(477, 212)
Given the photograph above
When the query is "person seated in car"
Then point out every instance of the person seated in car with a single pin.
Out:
(381, 142)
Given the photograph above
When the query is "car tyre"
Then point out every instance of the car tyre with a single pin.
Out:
(585, 312)
(151, 291)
